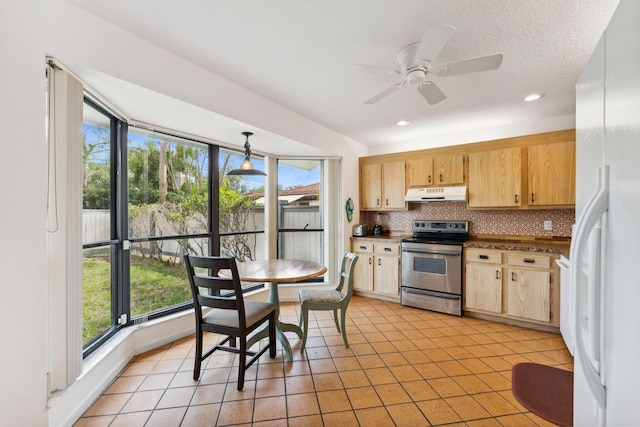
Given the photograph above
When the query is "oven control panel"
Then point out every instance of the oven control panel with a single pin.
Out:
(420, 226)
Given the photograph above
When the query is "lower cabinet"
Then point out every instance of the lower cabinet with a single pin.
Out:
(377, 272)
(516, 285)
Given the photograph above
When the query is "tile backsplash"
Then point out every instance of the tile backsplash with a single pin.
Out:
(515, 222)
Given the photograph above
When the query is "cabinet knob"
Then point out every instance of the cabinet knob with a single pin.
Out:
(440, 177)
(429, 179)
(378, 261)
(516, 198)
(483, 256)
(387, 249)
(513, 277)
(533, 198)
(497, 274)
(529, 260)
(362, 248)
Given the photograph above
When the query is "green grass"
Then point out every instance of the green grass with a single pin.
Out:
(154, 285)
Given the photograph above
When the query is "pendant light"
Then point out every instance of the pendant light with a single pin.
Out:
(246, 168)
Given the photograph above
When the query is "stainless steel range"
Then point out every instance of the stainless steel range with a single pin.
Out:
(432, 266)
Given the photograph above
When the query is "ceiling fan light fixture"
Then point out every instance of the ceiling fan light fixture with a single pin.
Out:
(246, 168)
(416, 76)
(533, 97)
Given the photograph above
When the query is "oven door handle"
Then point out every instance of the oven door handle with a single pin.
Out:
(430, 293)
(418, 251)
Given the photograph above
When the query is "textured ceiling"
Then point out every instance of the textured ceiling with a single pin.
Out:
(300, 54)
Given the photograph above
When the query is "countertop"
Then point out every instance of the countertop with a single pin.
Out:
(384, 238)
(558, 246)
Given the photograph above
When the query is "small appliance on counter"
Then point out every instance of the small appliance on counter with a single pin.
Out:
(360, 230)
(377, 230)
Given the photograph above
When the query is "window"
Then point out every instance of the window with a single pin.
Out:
(241, 213)
(150, 197)
(300, 213)
(99, 234)
(168, 216)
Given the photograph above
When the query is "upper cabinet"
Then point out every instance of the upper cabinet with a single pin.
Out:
(532, 171)
(495, 178)
(371, 186)
(382, 186)
(426, 171)
(420, 172)
(552, 174)
(449, 170)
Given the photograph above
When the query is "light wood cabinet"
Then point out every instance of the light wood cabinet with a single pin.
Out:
(551, 174)
(371, 186)
(495, 178)
(382, 186)
(436, 170)
(420, 172)
(512, 285)
(363, 271)
(449, 170)
(377, 272)
(386, 277)
(484, 280)
(529, 286)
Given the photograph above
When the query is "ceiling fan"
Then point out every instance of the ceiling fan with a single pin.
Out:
(416, 65)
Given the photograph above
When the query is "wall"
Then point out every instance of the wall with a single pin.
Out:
(508, 222)
(23, 261)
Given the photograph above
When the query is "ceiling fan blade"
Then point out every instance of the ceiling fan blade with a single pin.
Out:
(431, 93)
(433, 41)
(385, 93)
(483, 63)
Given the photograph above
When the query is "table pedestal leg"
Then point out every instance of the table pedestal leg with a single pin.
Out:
(281, 327)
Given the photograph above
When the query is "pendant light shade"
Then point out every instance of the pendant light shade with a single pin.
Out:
(246, 168)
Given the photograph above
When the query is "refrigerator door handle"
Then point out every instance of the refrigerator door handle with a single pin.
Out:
(595, 208)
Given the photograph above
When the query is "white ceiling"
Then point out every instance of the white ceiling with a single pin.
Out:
(300, 54)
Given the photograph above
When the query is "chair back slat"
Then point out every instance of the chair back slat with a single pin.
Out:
(346, 274)
(214, 283)
(209, 289)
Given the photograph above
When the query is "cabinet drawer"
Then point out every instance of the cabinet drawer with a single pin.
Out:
(487, 256)
(387, 249)
(529, 259)
(362, 246)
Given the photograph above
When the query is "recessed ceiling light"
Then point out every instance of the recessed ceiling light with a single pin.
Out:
(534, 97)
(403, 122)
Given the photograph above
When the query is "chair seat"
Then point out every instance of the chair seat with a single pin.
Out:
(320, 295)
(254, 311)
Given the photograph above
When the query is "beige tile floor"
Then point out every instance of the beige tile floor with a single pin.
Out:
(404, 367)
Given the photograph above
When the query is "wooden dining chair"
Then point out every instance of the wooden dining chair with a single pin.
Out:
(230, 314)
(329, 299)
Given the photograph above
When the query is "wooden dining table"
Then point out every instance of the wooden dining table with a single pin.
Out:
(273, 272)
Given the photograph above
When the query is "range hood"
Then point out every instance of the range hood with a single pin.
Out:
(437, 194)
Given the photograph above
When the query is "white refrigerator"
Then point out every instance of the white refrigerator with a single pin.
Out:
(605, 254)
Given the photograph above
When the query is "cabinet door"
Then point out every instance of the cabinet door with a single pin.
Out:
(483, 287)
(387, 275)
(552, 174)
(363, 272)
(449, 169)
(393, 178)
(529, 294)
(495, 178)
(420, 172)
(371, 186)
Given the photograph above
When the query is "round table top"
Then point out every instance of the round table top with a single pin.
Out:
(279, 270)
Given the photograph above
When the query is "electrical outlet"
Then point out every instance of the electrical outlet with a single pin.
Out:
(547, 225)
